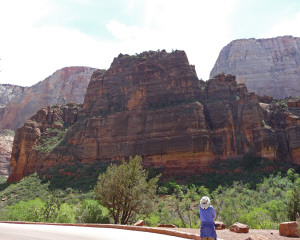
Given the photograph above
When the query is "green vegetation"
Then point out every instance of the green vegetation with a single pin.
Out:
(51, 138)
(125, 191)
(7, 132)
(261, 201)
(74, 175)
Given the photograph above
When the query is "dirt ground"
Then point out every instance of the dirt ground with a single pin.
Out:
(228, 235)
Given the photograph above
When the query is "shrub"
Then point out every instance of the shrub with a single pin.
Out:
(90, 211)
(66, 214)
(30, 211)
(125, 191)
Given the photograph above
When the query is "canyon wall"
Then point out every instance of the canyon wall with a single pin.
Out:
(65, 85)
(267, 66)
(153, 105)
(18, 104)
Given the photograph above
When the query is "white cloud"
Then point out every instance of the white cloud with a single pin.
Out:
(288, 26)
(121, 31)
(201, 28)
(31, 51)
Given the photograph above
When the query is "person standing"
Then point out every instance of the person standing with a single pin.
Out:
(207, 216)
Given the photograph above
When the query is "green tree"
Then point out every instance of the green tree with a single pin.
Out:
(125, 191)
(51, 208)
(293, 195)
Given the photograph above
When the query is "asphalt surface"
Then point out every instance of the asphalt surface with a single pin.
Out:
(10, 231)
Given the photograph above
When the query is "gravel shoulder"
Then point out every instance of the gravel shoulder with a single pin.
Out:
(228, 235)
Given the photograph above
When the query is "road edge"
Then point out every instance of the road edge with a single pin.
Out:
(118, 226)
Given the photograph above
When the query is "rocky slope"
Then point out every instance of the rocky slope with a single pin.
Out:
(18, 104)
(6, 143)
(7, 93)
(65, 85)
(267, 66)
(153, 105)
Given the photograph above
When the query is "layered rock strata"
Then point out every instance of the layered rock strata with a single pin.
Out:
(267, 66)
(65, 85)
(153, 105)
(40, 142)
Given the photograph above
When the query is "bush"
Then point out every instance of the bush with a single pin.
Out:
(90, 211)
(30, 211)
(66, 214)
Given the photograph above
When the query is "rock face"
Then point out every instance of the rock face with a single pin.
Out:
(284, 119)
(220, 225)
(267, 66)
(6, 143)
(8, 92)
(38, 138)
(239, 228)
(153, 105)
(289, 229)
(65, 85)
(139, 223)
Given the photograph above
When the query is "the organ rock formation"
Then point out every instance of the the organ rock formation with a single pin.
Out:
(153, 105)
(65, 85)
(267, 66)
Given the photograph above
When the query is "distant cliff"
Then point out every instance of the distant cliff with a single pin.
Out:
(6, 143)
(65, 85)
(153, 105)
(267, 66)
(18, 104)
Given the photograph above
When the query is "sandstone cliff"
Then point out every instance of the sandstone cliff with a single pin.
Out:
(267, 66)
(65, 85)
(153, 105)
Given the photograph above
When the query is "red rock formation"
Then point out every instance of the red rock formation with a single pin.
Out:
(220, 225)
(289, 229)
(153, 105)
(239, 228)
(38, 138)
(65, 85)
(139, 223)
(267, 66)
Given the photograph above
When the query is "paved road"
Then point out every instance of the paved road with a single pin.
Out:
(9, 231)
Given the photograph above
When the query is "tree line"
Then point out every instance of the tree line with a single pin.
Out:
(125, 193)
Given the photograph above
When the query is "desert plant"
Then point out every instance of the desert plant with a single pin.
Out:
(125, 191)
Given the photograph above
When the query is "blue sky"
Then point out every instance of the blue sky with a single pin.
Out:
(39, 37)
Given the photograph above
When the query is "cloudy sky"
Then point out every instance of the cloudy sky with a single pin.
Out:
(38, 37)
